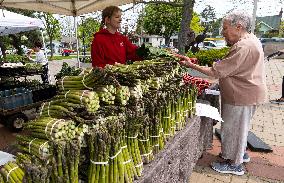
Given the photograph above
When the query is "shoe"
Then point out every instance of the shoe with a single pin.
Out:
(278, 101)
(226, 167)
(246, 157)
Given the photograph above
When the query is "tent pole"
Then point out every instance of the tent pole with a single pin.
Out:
(44, 45)
(77, 41)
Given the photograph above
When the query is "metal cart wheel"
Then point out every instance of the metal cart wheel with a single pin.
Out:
(16, 121)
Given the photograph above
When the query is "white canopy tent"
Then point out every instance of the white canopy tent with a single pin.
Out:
(63, 7)
(12, 23)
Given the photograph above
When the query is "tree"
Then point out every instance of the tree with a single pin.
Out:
(52, 28)
(4, 41)
(87, 29)
(257, 31)
(216, 26)
(208, 15)
(187, 13)
(164, 20)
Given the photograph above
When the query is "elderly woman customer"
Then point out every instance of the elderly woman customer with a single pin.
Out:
(241, 77)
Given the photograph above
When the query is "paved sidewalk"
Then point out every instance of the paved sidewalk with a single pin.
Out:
(267, 124)
(55, 66)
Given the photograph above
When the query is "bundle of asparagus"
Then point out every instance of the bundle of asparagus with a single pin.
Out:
(107, 162)
(106, 93)
(98, 141)
(122, 95)
(83, 98)
(52, 128)
(133, 123)
(35, 169)
(85, 81)
(11, 173)
(65, 161)
(72, 104)
(166, 117)
(56, 109)
(153, 110)
(136, 92)
(34, 146)
(145, 147)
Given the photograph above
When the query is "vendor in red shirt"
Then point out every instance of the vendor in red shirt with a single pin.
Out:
(109, 46)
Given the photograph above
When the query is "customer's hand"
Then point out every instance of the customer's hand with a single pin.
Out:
(186, 61)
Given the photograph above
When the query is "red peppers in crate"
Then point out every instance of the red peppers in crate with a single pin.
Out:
(200, 83)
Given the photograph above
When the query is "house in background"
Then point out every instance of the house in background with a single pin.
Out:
(154, 40)
(269, 24)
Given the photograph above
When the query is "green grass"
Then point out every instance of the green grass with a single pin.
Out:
(61, 57)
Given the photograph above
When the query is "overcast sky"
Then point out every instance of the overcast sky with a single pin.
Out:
(264, 8)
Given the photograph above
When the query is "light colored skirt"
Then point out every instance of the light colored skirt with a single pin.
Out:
(234, 131)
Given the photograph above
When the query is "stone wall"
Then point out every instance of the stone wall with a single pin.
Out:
(176, 162)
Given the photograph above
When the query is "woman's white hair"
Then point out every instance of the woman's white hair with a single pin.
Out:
(239, 17)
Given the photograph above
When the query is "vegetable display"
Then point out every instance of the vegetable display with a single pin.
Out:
(105, 124)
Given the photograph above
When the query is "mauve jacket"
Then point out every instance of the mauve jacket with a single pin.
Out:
(242, 74)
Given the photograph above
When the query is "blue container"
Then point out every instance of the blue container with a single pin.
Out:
(7, 93)
(7, 103)
(10, 99)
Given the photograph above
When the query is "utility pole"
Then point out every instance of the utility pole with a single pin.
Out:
(254, 15)
(141, 38)
(83, 39)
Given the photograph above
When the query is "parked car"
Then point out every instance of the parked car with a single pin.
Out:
(218, 44)
(66, 51)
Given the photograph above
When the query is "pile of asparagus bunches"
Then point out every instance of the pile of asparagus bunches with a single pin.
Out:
(117, 118)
